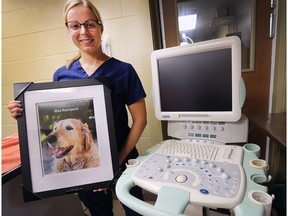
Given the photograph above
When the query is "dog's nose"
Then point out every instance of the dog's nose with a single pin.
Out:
(51, 139)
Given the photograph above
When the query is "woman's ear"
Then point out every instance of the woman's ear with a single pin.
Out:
(102, 28)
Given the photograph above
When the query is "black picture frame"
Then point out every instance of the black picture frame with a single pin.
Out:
(67, 137)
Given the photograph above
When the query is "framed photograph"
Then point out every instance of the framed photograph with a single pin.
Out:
(67, 137)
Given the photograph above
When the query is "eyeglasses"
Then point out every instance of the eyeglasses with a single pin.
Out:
(89, 24)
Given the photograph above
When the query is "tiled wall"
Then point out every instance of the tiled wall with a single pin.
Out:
(35, 43)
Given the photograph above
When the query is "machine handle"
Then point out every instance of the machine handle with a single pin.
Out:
(161, 207)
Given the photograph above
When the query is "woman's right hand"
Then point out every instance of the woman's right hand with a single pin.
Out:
(15, 108)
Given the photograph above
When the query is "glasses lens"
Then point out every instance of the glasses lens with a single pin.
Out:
(73, 26)
(91, 24)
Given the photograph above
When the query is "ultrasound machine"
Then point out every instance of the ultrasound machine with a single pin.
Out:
(207, 162)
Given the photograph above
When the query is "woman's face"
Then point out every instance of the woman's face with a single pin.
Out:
(87, 40)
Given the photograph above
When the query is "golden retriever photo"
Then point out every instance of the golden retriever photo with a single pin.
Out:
(72, 146)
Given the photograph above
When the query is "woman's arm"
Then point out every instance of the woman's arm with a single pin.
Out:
(139, 117)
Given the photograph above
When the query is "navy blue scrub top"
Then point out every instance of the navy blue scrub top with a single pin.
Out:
(126, 89)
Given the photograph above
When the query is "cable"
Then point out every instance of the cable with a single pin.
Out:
(184, 36)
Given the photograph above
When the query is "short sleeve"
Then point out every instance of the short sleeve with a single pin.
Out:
(135, 90)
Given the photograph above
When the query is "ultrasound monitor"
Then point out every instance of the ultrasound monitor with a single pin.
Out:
(198, 82)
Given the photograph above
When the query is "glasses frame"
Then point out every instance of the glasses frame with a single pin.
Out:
(84, 24)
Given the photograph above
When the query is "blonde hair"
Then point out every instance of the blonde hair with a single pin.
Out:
(69, 4)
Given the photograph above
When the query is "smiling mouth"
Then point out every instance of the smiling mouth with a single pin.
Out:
(86, 40)
(60, 152)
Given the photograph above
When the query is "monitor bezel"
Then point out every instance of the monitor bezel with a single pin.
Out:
(232, 42)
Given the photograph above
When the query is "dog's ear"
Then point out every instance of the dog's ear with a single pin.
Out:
(54, 125)
(87, 137)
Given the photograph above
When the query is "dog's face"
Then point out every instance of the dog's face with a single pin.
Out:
(69, 136)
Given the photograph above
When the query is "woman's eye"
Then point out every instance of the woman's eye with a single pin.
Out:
(90, 25)
(74, 26)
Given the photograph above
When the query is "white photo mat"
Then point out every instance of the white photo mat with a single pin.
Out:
(41, 182)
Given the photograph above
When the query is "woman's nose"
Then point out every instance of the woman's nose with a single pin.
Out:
(83, 29)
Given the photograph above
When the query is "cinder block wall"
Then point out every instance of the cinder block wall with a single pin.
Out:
(35, 43)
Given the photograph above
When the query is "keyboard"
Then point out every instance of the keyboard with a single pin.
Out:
(186, 149)
(212, 173)
(202, 149)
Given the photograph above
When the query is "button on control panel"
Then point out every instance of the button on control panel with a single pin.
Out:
(202, 129)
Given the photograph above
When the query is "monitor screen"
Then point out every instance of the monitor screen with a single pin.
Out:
(198, 82)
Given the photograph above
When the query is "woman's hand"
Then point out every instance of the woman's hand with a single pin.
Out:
(15, 108)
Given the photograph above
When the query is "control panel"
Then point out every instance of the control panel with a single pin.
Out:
(212, 183)
(226, 132)
(179, 180)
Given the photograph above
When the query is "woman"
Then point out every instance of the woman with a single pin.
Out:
(85, 28)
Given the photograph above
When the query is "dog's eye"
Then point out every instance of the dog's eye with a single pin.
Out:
(69, 128)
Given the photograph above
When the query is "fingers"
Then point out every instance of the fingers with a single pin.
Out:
(15, 108)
